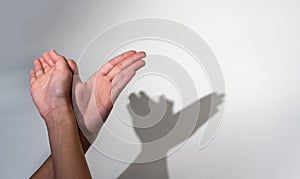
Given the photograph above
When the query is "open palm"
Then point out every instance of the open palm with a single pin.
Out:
(93, 99)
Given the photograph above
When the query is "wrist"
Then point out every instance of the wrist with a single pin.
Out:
(59, 114)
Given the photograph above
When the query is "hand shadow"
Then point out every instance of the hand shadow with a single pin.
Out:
(156, 120)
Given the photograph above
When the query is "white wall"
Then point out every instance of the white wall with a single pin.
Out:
(256, 43)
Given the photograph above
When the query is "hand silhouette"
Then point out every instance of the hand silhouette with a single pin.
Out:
(155, 120)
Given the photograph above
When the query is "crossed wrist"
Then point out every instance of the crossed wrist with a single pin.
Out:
(59, 115)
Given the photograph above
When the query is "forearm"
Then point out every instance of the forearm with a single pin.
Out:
(46, 170)
(67, 153)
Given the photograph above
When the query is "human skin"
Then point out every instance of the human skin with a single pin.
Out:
(102, 89)
(50, 90)
(93, 99)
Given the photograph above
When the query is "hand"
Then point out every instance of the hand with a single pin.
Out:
(93, 99)
(50, 85)
(50, 90)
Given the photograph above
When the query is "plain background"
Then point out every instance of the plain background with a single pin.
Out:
(256, 43)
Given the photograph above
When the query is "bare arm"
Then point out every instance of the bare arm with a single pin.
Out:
(50, 88)
(67, 153)
(111, 79)
(46, 170)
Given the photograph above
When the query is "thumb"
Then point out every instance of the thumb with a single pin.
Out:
(73, 66)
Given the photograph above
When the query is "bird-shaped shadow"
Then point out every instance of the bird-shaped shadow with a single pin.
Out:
(154, 121)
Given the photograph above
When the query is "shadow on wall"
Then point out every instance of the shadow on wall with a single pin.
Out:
(143, 109)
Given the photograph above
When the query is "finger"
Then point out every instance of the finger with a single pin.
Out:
(45, 65)
(118, 87)
(73, 66)
(55, 56)
(38, 68)
(32, 76)
(111, 63)
(144, 96)
(48, 59)
(125, 63)
(133, 98)
(134, 67)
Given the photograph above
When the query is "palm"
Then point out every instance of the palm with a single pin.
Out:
(49, 85)
(91, 102)
(93, 99)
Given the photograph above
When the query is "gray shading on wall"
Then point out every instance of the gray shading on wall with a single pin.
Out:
(139, 106)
